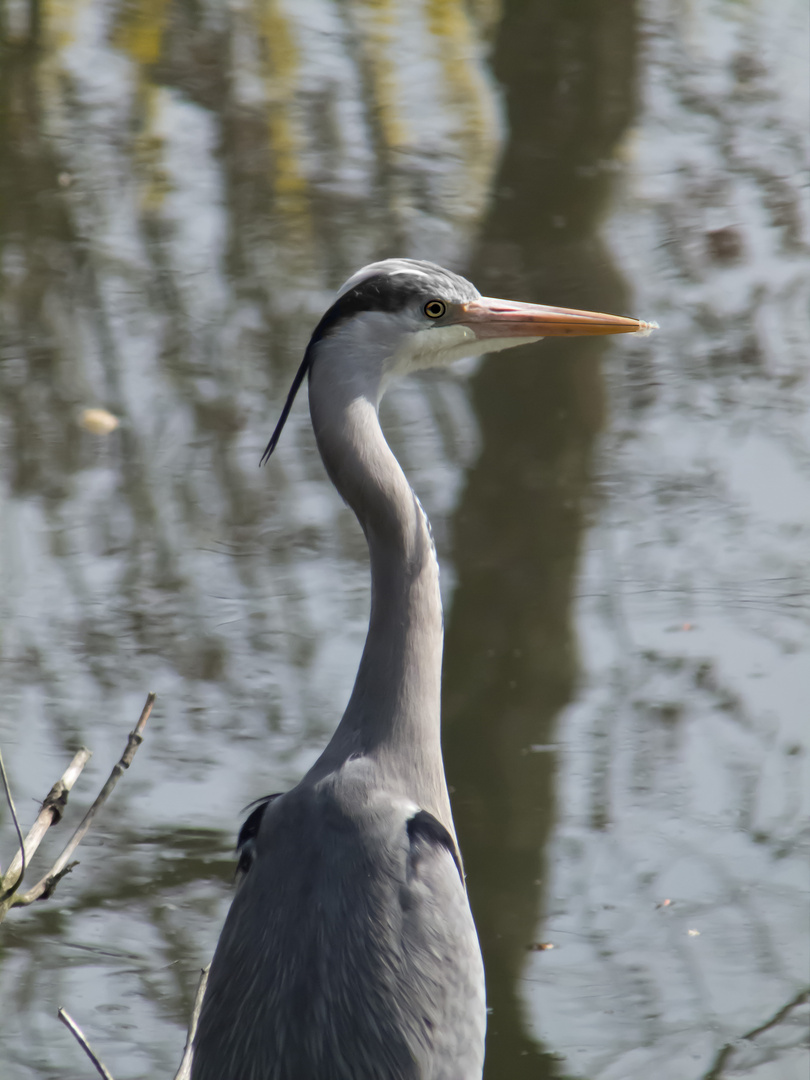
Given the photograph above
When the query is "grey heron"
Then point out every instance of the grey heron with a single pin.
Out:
(349, 952)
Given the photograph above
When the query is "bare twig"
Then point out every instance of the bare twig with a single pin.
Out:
(50, 813)
(78, 1034)
(8, 890)
(725, 1052)
(44, 887)
(184, 1072)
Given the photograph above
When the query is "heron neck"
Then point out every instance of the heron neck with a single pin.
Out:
(393, 715)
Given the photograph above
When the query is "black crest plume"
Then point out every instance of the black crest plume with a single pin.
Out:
(288, 404)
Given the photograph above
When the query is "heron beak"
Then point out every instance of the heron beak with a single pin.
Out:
(491, 318)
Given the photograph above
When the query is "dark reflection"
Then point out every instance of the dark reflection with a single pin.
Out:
(34, 231)
(181, 184)
(511, 661)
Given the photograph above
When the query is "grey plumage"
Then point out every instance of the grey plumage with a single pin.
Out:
(351, 928)
(349, 952)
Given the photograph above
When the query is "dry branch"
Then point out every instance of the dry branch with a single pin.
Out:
(50, 814)
(6, 890)
(45, 885)
(184, 1072)
(79, 1036)
(725, 1052)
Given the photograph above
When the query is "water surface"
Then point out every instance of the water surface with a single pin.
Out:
(622, 525)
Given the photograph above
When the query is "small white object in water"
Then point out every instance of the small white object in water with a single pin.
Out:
(98, 421)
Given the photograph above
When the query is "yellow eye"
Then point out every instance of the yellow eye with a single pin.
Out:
(434, 309)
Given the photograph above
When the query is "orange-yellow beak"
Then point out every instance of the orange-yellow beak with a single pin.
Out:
(491, 318)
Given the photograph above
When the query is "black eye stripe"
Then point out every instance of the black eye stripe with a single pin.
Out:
(434, 309)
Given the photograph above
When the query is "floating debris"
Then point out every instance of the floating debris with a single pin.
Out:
(98, 421)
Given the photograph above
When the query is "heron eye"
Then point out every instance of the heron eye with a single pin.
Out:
(434, 309)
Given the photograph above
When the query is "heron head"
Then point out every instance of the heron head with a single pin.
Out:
(403, 315)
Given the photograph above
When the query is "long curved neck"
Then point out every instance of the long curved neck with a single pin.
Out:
(393, 715)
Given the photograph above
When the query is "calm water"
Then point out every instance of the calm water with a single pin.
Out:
(624, 526)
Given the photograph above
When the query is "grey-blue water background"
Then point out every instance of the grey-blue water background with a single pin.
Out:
(624, 525)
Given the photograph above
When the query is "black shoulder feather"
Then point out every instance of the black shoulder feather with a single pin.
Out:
(246, 842)
(424, 826)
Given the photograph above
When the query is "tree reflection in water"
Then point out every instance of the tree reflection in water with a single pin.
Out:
(182, 185)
